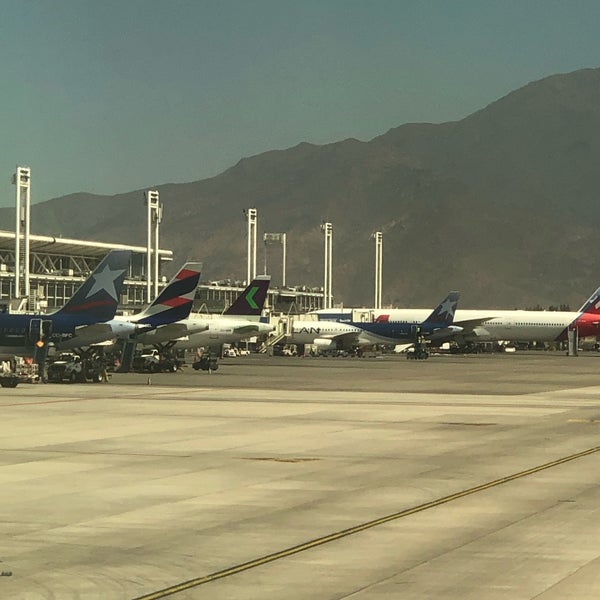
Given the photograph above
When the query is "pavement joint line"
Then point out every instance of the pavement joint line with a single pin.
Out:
(257, 562)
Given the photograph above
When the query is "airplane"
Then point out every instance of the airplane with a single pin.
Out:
(154, 328)
(240, 321)
(353, 334)
(172, 304)
(94, 302)
(473, 326)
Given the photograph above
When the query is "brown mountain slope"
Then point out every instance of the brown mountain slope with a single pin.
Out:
(500, 205)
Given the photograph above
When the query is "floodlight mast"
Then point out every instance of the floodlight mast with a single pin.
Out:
(327, 229)
(154, 219)
(284, 244)
(22, 181)
(378, 236)
(276, 238)
(251, 214)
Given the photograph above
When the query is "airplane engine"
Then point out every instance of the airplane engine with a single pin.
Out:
(324, 343)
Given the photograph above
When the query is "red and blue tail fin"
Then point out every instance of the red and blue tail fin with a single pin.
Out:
(592, 304)
(443, 315)
(251, 301)
(174, 303)
(98, 297)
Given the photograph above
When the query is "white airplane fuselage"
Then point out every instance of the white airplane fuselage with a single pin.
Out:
(221, 330)
(508, 325)
(332, 334)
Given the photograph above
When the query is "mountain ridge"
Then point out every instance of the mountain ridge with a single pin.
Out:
(500, 205)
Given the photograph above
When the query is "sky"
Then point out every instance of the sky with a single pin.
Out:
(110, 96)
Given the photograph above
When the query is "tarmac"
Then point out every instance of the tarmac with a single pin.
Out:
(459, 477)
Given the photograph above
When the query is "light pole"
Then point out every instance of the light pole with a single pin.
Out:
(154, 218)
(378, 236)
(22, 180)
(251, 214)
(327, 229)
(276, 238)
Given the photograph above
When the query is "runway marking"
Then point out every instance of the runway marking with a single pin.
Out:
(43, 450)
(465, 423)
(45, 402)
(279, 459)
(257, 562)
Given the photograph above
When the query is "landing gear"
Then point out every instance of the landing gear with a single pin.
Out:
(419, 352)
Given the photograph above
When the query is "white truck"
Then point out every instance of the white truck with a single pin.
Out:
(17, 370)
(72, 368)
(152, 361)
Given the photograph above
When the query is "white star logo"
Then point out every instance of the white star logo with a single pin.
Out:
(448, 307)
(105, 280)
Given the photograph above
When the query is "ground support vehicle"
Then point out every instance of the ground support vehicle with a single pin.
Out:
(152, 361)
(73, 368)
(17, 370)
(207, 362)
(419, 352)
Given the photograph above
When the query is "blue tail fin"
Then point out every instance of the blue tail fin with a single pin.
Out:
(175, 301)
(98, 297)
(252, 300)
(443, 315)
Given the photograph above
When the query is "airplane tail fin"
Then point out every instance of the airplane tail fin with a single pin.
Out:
(252, 300)
(444, 313)
(592, 304)
(175, 300)
(98, 297)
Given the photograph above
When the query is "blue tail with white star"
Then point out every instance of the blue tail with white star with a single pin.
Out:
(98, 297)
(443, 315)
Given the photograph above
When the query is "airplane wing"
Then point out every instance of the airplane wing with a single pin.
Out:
(468, 325)
(86, 335)
(245, 329)
(465, 327)
(172, 331)
(343, 341)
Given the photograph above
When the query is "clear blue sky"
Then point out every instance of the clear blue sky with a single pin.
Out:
(109, 96)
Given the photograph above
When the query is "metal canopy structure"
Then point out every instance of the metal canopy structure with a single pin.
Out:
(59, 265)
(67, 246)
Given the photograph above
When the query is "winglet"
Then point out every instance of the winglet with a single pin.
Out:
(444, 313)
(98, 297)
(252, 300)
(174, 303)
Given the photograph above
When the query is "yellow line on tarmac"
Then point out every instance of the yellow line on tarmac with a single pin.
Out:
(186, 585)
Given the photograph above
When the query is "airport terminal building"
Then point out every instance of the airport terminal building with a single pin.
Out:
(58, 266)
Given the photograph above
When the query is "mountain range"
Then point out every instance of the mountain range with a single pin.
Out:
(502, 205)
